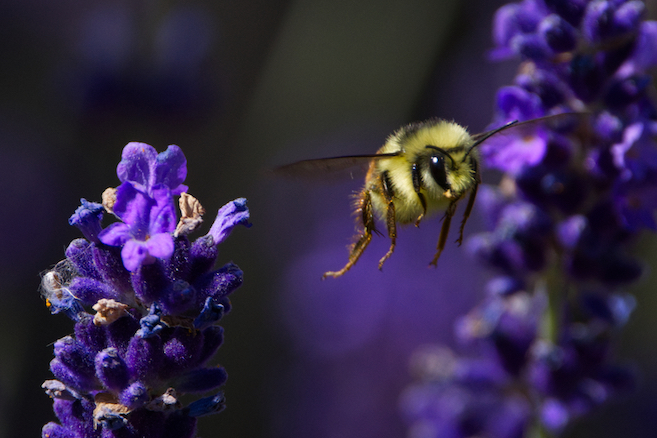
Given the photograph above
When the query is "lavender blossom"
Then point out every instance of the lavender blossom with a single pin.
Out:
(537, 351)
(157, 299)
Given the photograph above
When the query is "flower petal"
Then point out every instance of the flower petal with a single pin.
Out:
(234, 213)
(87, 218)
(134, 254)
(137, 164)
(162, 213)
(115, 235)
(160, 245)
(133, 207)
(171, 169)
(512, 153)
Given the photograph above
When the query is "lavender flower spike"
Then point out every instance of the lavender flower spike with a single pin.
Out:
(573, 197)
(158, 299)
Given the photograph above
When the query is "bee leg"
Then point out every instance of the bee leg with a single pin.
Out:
(417, 185)
(357, 248)
(390, 217)
(392, 232)
(423, 201)
(466, 214)
(444, 231)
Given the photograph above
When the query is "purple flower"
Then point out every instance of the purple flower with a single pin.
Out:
(147, 227)
(513, 154)
(558, 34)
(509, 152)
(228, 217)
(158, 300)
(643, 56)
(146, 169)
(635, 156)
(87, 218)
(513, 21)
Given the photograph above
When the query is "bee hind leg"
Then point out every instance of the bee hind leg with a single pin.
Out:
(391, 223)
(357, 249)
(392, 232)
(444, 231)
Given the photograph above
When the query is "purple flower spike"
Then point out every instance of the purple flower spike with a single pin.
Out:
(143, 166)
(157, 299)
(572, 200)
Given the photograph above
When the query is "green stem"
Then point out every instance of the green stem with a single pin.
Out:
(555, 288)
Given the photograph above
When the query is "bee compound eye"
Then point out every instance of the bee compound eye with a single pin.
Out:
(438, 172)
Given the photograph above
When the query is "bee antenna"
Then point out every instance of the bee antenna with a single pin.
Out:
(487, 135)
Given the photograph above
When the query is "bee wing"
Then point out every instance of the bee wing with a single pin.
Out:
(320, 168)
(561, 121)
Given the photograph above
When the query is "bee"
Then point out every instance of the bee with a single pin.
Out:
(423, 168)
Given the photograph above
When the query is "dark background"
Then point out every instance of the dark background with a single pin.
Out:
(242, 86)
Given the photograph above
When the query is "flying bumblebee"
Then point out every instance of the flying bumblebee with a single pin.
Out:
(422, 168)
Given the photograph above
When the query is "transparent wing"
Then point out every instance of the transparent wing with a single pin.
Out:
(322, 168)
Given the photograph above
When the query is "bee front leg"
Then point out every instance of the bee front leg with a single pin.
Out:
(391, 220)
(466, 214)
(417, 185)
(444, 231)
(471, 199)
(365, 208)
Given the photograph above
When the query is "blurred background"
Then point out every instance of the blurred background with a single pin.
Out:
(243, 86)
